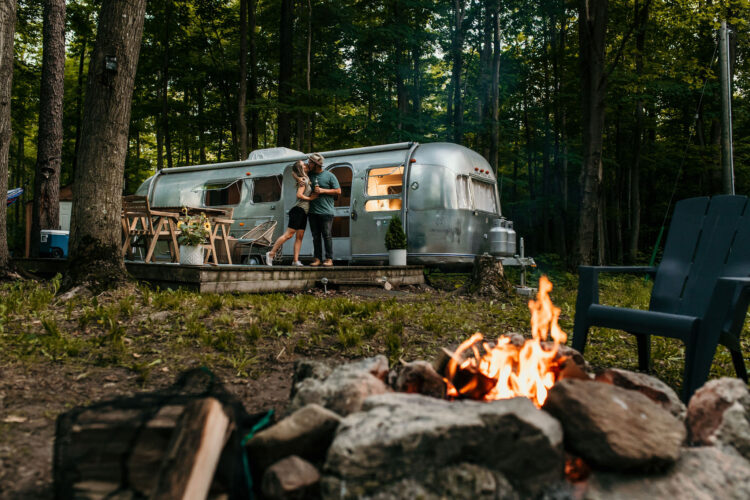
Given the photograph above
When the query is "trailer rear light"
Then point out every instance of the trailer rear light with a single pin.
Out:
(413, 160)
(476, 169)
(248, 173)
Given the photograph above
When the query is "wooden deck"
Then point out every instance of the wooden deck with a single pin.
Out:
(248, 279)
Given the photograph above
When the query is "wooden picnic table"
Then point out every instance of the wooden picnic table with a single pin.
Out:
(220, 220)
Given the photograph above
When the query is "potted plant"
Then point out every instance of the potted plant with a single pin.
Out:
(193, 232)
(395, 242)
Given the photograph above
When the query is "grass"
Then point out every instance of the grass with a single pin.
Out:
(140, 329)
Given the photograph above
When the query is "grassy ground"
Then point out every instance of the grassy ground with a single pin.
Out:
(55, 355)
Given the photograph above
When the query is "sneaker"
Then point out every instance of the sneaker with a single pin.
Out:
(314, 263)
(269, 259)
(297, 263)
(328, 263)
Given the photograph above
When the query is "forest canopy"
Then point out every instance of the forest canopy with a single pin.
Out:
(501, 77)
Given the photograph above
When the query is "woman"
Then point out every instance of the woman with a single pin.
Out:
(297, 215)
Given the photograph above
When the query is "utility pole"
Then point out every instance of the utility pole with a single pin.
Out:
(727, 162)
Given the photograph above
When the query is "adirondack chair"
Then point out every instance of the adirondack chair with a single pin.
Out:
(700, 294)
(143, 226)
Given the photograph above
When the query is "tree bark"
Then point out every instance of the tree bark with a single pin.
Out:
(495, 93)
(46, 207)
(165, 82)
(253, 91)
(79, 102)
(242, 95)
(95, 256)
(284, 136)
(641, 18)
(459, 11)
(592, 20)
(7, 28)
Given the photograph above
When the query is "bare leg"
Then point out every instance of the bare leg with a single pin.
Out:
(298, 244)
(284, 237)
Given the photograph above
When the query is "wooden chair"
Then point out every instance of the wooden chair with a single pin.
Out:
(260, 236)
(219, 232)
(142, 226)
(701, 289)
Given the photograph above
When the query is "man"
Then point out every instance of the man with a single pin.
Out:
(320, 215)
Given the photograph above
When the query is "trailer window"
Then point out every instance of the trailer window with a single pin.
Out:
(222, 193)
(484, 196)
(463, 194)
(385, 181)
(267, 189)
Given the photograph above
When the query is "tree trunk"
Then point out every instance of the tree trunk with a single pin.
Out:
(284, 136)
(641, 18)
(79, 102)
(46, 209)
(165, 82)
(253, 91)
(458, 44)
(241, 97)
(7, 28)
(95, 255)
(495, 93)
(592, 20)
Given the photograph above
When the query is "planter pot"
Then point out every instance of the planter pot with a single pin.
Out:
(191, 255)
(397, 257)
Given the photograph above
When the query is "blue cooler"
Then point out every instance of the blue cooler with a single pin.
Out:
(54, 243)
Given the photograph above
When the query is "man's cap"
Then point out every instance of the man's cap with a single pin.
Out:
(317, 158)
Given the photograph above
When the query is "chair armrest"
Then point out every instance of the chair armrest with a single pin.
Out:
(729, 304)
(650, 270)
(588, 281)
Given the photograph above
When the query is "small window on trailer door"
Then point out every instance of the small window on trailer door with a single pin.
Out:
(484, 196)
(222, 193)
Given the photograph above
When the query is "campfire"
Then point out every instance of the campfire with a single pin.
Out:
(483, 370)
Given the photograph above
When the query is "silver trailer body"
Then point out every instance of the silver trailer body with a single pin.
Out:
(446, 195)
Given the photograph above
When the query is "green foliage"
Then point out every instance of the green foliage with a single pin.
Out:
(395, 238)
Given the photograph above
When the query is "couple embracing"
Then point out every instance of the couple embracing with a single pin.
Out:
(315, 191)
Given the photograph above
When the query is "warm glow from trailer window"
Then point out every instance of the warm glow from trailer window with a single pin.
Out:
(383, 205)
(385, 181)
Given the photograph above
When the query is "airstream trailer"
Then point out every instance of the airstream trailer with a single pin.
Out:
(446, 195)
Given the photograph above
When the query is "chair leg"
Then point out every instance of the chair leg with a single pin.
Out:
(588, 293)
(739, 364)
(699, 354)
(644, 353)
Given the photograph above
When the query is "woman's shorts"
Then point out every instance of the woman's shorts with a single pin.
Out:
(297, 218)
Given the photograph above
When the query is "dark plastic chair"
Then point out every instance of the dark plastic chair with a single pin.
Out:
(701, 289)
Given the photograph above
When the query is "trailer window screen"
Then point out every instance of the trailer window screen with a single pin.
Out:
(484, 196)
(267, 189)
(385, 181)
(222, 193)
(462, 192)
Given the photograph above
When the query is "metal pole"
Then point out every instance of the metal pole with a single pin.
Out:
(727, 163)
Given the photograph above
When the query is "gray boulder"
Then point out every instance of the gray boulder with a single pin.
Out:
(345, 389)
(615, 428)
(407, 436)
(704, 473)
(417, 377)
(290, 478)
(307, 433)
(719, 414)
(455, 481)
(649, 386)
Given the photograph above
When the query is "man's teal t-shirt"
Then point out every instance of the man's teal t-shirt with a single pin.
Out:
(323, 204)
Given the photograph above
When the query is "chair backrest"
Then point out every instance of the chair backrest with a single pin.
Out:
(708, 238)
(135, 205)
(261, 234)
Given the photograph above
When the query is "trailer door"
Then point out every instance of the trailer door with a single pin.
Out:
(342, 248)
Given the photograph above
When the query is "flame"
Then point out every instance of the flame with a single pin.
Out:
(481, 370)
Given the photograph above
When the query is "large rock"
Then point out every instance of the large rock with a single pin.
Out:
(455, 481)
(615, 428)
(307, 433)
(289, 478)
(649, 386)
(701, 473)
(417, 377)
(406, 436)
(719, 414)
(345, 389)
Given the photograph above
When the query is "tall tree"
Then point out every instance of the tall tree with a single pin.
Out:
(459, 11)
(592, 29)
(46, 206)
(242, 96)
(253, 91)
(7, 28)
(95, 256)
(286, 48)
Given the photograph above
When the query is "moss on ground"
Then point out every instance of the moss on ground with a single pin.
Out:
(143, 330)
